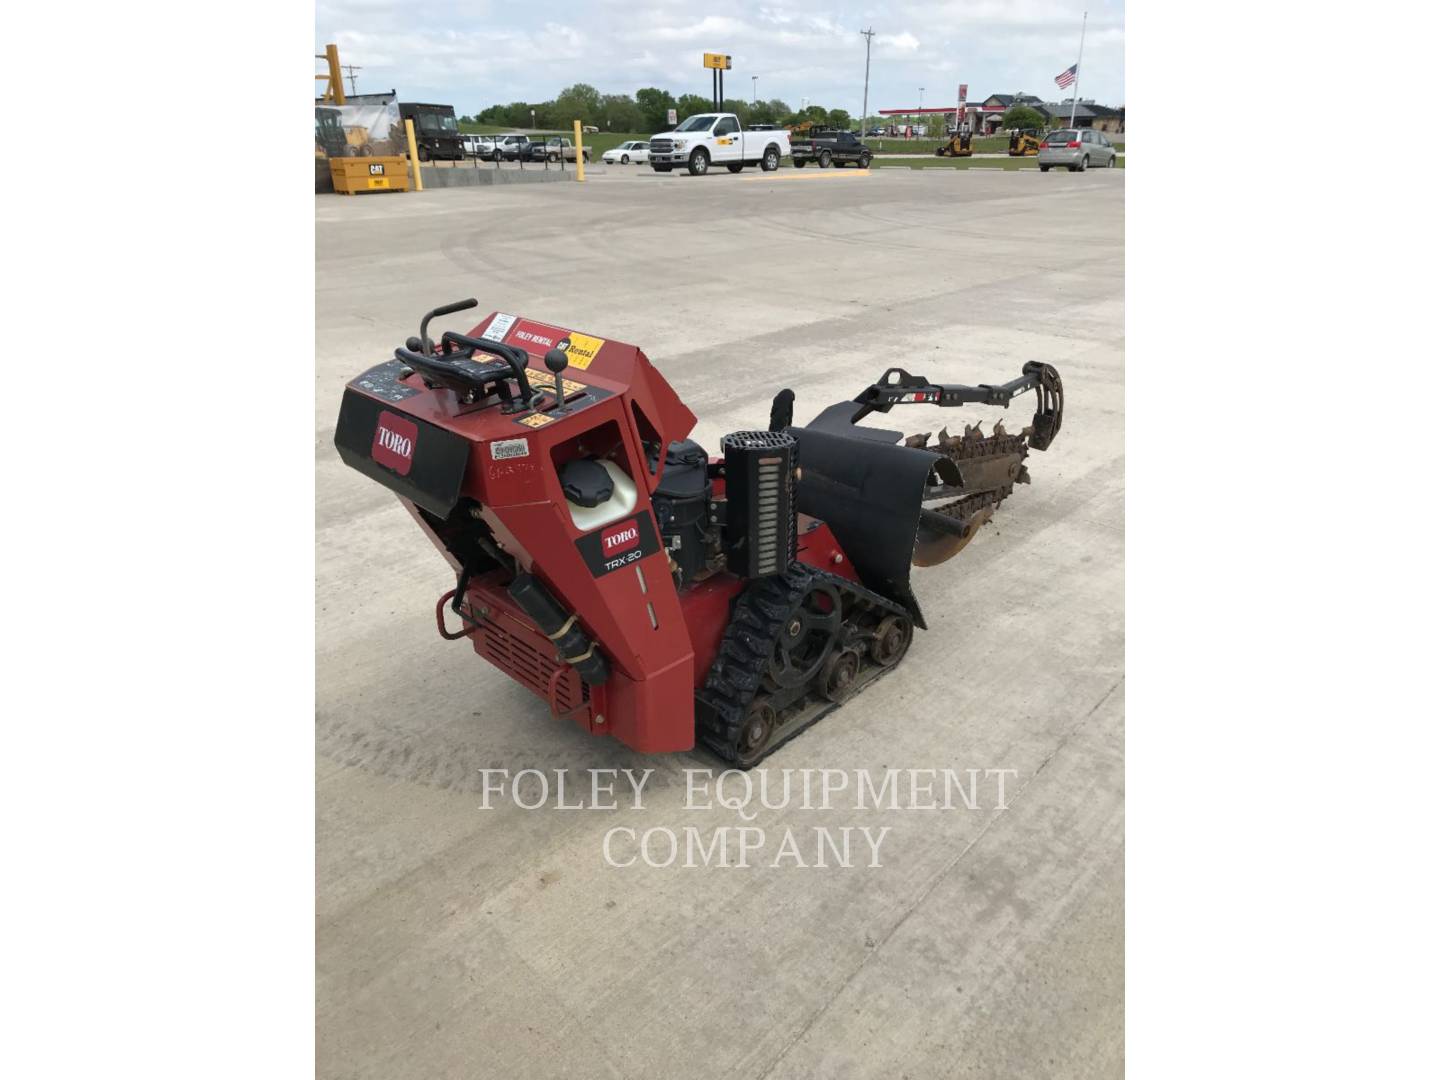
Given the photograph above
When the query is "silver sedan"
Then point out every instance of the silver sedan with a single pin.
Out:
(1077, 150)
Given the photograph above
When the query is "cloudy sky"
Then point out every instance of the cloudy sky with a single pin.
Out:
(480, 52)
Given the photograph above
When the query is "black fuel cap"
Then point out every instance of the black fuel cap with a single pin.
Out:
(585, 482)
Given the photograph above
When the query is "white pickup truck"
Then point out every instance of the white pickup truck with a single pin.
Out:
(717, 139)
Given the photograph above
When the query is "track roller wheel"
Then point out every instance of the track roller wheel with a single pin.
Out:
(892, 640)
(755, 734)
(837, 677)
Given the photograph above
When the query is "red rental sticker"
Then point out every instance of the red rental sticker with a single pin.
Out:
(536, 338)
(620, 538)
(394, 445)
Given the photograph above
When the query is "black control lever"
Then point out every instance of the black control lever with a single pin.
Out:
(557, 362)
(449, 309)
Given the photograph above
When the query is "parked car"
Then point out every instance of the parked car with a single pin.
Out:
(1076, 149)
(557, 145)
(637, 150)
(875, 131)
(508, 147)
(716, 137)
(827, 148)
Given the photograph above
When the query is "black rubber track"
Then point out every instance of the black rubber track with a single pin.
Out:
(735, 677)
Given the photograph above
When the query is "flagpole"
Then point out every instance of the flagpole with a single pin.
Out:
(1075, 94)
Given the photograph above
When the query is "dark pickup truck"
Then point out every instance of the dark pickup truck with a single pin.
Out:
(827, 148)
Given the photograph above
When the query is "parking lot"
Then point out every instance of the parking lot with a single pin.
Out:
(459, 941)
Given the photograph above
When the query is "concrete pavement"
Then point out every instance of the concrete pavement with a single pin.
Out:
(459, 941)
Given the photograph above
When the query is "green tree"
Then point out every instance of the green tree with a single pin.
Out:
(620, 113)
(838, 118)
(579, 102)
(762, 112)
(690, 104)
(738, 107)
(516, 114)
(1022, 116)
(653, 105)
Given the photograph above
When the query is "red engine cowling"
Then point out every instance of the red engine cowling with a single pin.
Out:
(484, 478)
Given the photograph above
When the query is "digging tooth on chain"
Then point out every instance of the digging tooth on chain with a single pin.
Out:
(990, 467)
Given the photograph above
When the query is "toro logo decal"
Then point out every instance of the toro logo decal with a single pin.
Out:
(620, 538)
(394, 445)
(619, 544)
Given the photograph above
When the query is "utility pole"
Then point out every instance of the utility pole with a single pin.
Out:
(754, 90)
(350, 70)
(865, 106)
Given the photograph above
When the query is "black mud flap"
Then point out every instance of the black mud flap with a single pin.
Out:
(416, 460)
(868, 491)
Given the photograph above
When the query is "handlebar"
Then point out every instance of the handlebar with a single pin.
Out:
(447, 309)
(517, 358)
(421, 355)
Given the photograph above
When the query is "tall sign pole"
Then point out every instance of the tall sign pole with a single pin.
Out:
(718, 63)
(865, 106)
(1074, 101)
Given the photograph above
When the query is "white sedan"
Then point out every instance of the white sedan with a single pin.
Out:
(626, 152)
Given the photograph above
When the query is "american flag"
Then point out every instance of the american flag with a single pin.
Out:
(1066, 77)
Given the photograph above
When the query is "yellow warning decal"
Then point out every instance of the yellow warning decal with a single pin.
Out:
(583, 349)
(547, 380)
(536, 420)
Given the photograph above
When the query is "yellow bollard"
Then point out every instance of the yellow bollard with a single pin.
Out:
(414, 154)
(579, 156)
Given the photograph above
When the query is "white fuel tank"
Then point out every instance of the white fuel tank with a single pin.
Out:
(620, 504)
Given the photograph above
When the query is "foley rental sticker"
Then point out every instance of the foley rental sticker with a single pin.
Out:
(537, 338)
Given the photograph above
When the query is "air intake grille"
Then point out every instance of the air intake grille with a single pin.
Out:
(529, 666)
(760, 502)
